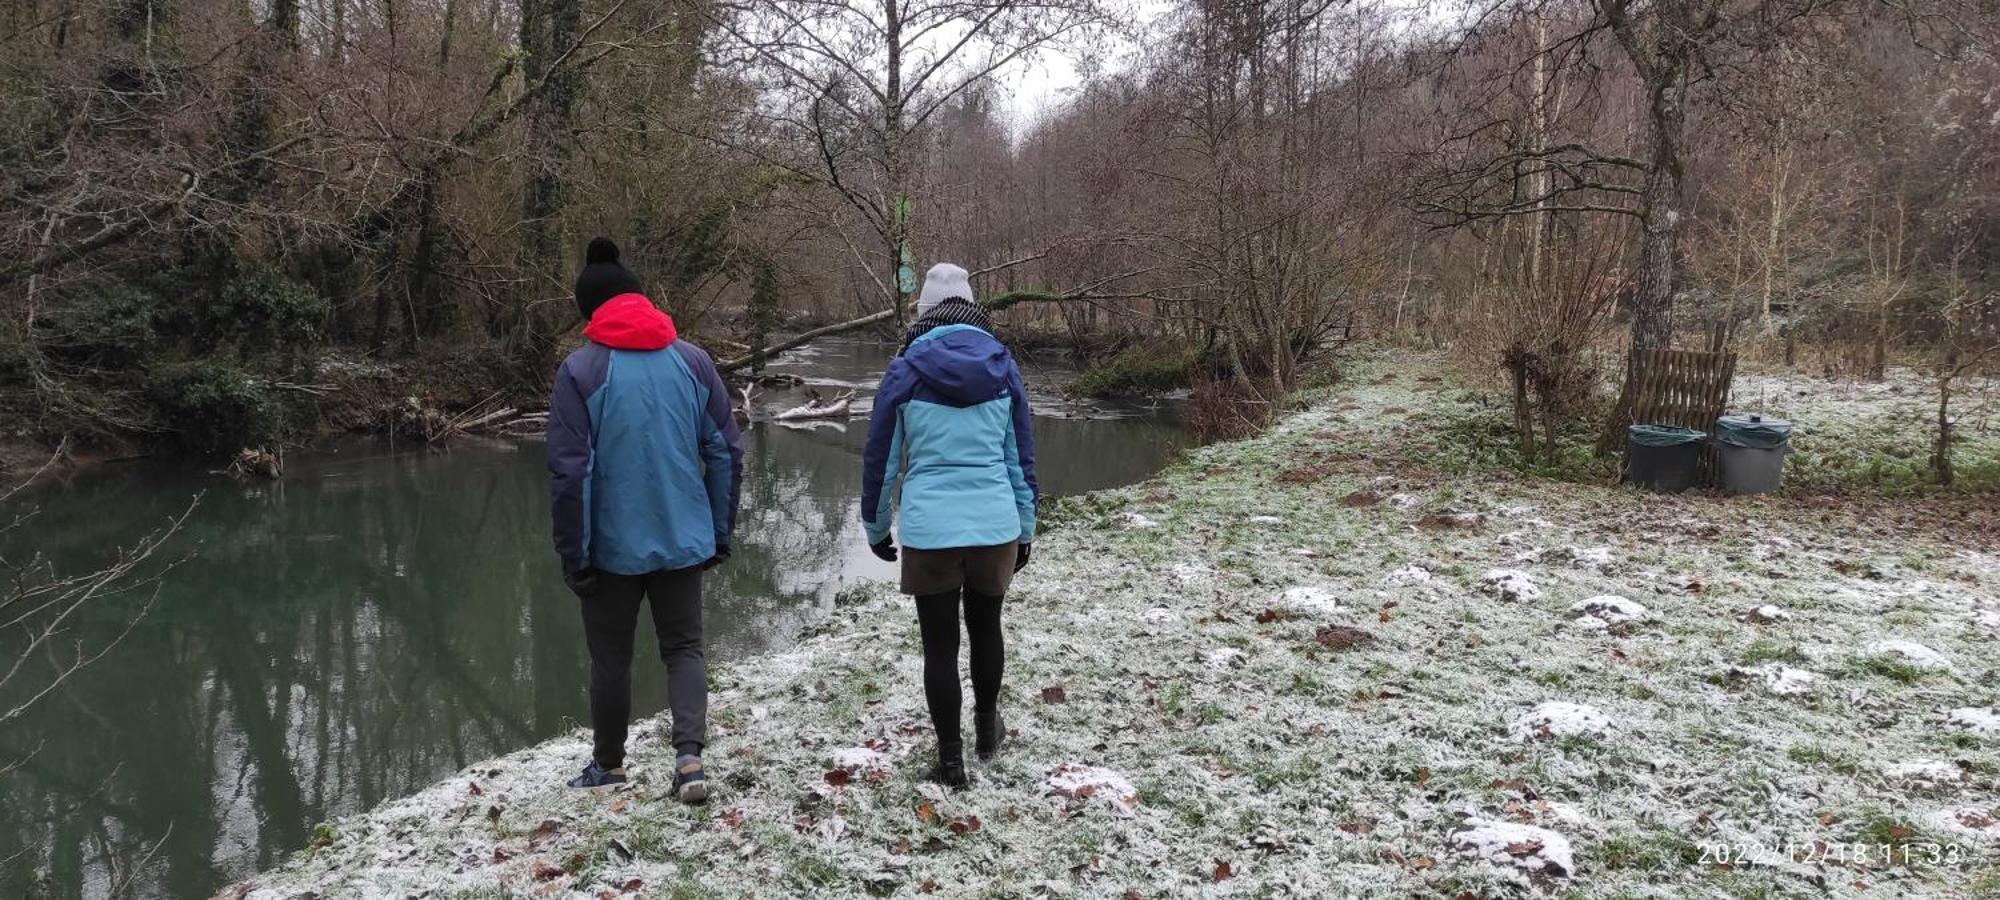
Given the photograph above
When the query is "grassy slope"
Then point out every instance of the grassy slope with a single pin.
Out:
(1178, 621)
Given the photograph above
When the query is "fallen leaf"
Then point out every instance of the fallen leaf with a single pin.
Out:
(1223, 870)
(633, 885)
(1528, 847)
(1423, 862)
(1357, 827)
(474, 789)
(839, 777)
(1473, 640)
(545, 871)
(964, 825)
(621, 804)
(1274, 615)
(926, 813)
(1055, 695)
(733, 816)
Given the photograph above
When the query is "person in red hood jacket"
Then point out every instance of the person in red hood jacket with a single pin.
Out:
(645, 468)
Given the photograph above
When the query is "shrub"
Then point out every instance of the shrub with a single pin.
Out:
(1139, 370)
(213, 407)
(99, 326)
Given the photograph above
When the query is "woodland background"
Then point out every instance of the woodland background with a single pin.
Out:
(237, 223)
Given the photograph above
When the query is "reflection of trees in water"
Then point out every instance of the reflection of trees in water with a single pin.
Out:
(337, 642)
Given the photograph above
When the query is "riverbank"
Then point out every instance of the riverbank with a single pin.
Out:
(1307, 663)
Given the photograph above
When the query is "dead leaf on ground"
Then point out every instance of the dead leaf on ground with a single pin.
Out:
(1528, 847)
(1055, 694)
(926, 813)
(545, 871)
(1223, 870)
(839, 777)
(1274, 615)
(964, 825)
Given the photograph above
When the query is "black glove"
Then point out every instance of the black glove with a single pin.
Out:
(885, 549)
(582, 583)
(721, 556)
(1021, 556)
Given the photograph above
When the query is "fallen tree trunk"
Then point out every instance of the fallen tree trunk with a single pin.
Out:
(838, 406)
(995, 303)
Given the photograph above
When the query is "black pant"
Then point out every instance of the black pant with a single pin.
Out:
(609, 620)
(937, 619)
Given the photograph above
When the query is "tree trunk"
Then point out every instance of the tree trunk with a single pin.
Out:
(1660, 211)
(548, 27)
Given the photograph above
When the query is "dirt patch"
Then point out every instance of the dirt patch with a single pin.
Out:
(1341, 637)
(1303, 475)
(1360, 499)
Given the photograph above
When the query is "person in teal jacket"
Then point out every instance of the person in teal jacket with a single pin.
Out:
(645, 471)
(952, 430)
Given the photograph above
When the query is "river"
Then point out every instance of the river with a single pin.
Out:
(376, 620)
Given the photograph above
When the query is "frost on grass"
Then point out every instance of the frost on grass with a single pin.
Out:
(1511, 584)
(1909, 653)
(1560, 718)
(1535, 850)
(1606, 611)
(1334, 762)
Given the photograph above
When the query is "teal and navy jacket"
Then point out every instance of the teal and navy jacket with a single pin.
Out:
(951, 424)
(645, 460)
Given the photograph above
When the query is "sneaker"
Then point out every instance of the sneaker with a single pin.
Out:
(596, 776)
(690, 780)
(989, 732)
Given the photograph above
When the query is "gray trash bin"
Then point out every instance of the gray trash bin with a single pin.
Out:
(1750, 453)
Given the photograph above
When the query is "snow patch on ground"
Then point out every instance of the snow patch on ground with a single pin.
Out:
(1606, 611)
(1909, 652)
(1140, 520)
(1560, 718)
(1980, 720)
(1923, 773)
(1511, 584)
(1310, 600)
(1982, 823)
(1766, 614)
(1782, 680)
(1086, 783)
(1533, 849)
(1410, 574)
(860, 759)
(1266, 520)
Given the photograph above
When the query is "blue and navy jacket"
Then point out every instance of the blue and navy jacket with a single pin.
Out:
(951, 425)
(645, 460)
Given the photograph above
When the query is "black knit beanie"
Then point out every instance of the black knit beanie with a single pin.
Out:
(603, 277)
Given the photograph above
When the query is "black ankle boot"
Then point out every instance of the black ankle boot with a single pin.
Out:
(950, 770)
(988, 733)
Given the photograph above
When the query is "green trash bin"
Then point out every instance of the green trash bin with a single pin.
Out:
(1750, 453)
(1664, 458)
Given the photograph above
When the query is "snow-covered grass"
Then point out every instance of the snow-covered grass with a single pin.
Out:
(1384, 692)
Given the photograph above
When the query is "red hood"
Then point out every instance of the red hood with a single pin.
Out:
(630, 322)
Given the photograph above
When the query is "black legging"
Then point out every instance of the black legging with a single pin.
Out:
(937, 618)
